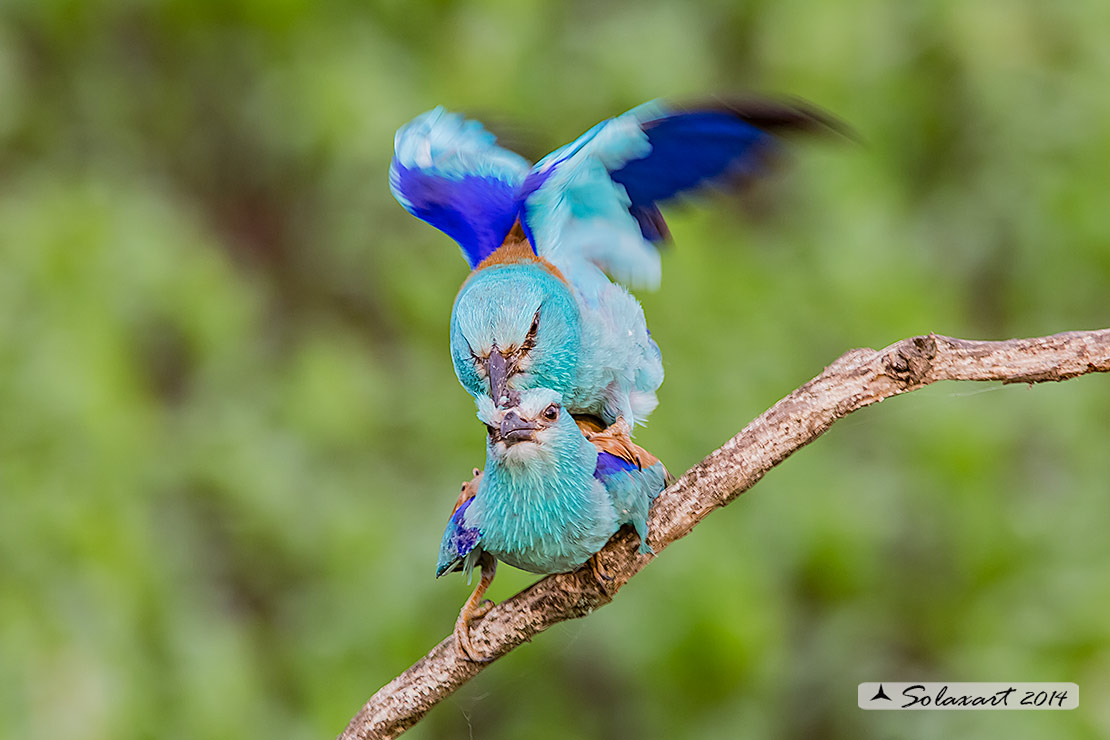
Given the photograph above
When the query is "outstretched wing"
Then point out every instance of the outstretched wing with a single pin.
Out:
(449, 172)
(598, 198)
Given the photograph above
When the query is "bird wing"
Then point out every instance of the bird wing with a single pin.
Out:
(589, 424)
(616, 450)
(598, 198)
(449, 172)
(460, 546)
(631, 475)
(469, 490)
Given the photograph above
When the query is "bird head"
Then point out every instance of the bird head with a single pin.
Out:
(513, 327)
(537, 429)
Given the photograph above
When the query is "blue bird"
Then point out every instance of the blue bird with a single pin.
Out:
(539, 309)
(552, 494)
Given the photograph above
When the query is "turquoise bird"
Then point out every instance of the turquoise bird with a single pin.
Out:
(553, 492)
(540, 308)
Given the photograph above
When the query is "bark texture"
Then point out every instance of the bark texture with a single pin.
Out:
(859, 378)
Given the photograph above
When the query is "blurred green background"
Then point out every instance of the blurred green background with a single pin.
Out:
(231, 433)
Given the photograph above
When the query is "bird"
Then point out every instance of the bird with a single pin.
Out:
(554, 490)
(553, 247)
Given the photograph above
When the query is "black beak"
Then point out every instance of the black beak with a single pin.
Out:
(515, 429)
(497, 368)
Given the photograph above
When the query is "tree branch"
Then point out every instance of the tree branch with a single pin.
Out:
(859, 378)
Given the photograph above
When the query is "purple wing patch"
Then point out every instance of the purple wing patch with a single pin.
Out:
(609, 464)
(463, 538)
(475, 211)
(458, 542)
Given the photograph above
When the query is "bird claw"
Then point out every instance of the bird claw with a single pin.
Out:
(598, 571)
(482, 609)
(462, 633)
(475, 608)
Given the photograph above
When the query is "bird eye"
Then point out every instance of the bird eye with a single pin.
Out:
(491, 430)
(551, 413)
(530, 340)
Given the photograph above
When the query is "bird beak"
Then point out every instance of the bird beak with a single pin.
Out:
(498, 372)
(515, 429)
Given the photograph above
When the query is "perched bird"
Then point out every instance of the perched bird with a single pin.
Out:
(556, 354)
(539, 309)
(552, 494)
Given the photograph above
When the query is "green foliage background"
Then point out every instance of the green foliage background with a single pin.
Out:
(230, 432)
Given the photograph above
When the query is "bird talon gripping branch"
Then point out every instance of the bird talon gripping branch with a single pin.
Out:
(597, 570)
(474, 609)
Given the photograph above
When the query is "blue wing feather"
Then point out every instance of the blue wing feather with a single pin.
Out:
(609, 464)
(596, 200)
(689, 150)
(592, 203)
(449, 172)
(631, 489)
(578, 217)
(458, 543)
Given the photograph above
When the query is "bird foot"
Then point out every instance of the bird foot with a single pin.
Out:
(481, 610)
(462, 632)
(475, 608)
(597, 570)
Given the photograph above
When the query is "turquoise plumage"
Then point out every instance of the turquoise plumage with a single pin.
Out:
(550, 497)
(556, 354)
(539, 310)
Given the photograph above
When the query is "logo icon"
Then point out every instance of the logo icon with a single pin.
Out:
(880, 694)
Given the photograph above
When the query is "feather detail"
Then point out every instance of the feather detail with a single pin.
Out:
(449, 172)
(589, 424)
(597, 199)
(517, 249)
(715, 142)
(632, 476)
(459, 548)
(616, 440)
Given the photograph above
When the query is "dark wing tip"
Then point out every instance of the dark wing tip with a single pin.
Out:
(779, 116)
(652, 224)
